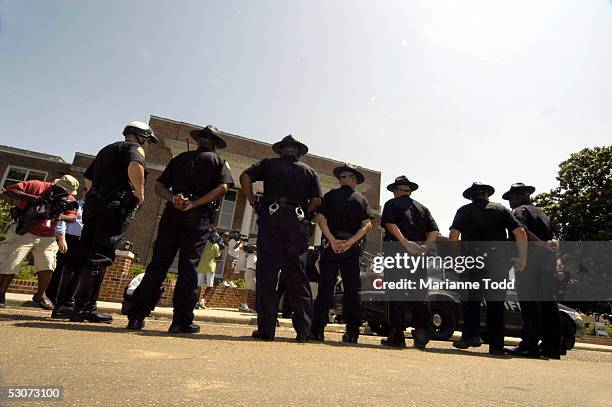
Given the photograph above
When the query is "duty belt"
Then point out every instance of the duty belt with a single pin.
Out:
(275, 206)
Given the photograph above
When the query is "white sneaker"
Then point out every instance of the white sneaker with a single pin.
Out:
(231, 284)
(202, 303)
(225, 284)
(244, 308)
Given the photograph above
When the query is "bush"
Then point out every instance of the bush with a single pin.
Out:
(5, 218)
(27, 272)
(239, 282)
(137, 268)
(591, 330)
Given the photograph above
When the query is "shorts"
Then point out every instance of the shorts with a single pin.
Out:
(249, 279)
(208, 277)
(16, 247)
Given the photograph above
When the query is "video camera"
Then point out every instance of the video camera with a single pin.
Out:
(48, 208)
(234, 234)
(249, 248)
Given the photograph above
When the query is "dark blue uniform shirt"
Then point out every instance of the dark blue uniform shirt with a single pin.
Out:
(411, 217)
(286, 179)
(345, 209)
(196, 173)
(109, 168)
(534, 220)
(484, 221)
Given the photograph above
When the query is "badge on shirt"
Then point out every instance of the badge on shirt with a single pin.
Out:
(141, 151)
(227, 165)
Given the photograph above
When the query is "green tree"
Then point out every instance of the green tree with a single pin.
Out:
(581, 206)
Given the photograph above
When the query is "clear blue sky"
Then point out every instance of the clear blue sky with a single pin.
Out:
(446, 92)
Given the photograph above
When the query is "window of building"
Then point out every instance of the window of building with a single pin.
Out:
(225, 215)
(253, 229)
(14, 175)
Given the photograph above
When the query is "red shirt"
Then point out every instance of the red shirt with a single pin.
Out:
(38, 188)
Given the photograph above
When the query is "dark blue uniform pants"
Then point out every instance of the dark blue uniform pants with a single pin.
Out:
(415, 300)
(348, 266)
(103, 226)
(496, 268)
(539, 310)
(179, 232)
(69, 281)
(282, 245)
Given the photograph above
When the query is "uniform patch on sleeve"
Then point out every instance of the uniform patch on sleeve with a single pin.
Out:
(227, 165)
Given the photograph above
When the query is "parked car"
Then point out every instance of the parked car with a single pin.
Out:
(446, 315)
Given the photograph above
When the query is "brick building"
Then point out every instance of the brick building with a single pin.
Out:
(18, 165)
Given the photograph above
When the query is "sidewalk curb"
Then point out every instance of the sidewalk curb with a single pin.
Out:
(337, 328)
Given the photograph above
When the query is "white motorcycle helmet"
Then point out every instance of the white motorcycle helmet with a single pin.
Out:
(140, 129)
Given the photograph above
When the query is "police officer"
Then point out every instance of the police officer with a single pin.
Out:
(536, 283)
(344, 218)
(191, 183)
(115, 180)
(482, 226)
(410, 223)
(290, 198)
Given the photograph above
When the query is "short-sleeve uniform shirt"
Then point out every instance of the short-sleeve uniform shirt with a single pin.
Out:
(484, 221)
(286, 178)
(196, 172)
(109, 168)
(345, 209)
(534, 220)
(411, 217)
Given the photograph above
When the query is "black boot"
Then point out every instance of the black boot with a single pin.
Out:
(263, 336)
(184, 329)
(317, 337)
(61, 311)
(523, 351)
(90, 280)
(90, 316)
(67, 287)
(135, 324)
(348, 338)
(465, 343)
(395, 339)
(420, 337)
(352, 333)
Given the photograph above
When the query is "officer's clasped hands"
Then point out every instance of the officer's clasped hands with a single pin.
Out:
(412, 247)
(182, 203)
(337, 246)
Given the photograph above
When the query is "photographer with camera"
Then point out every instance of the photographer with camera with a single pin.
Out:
(38, 207)
(69, 241)
(236, 241)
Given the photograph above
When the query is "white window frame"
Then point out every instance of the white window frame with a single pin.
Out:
(27, 170)
(233, 211)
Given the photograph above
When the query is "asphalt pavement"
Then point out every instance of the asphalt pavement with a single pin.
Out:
(103, 364)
